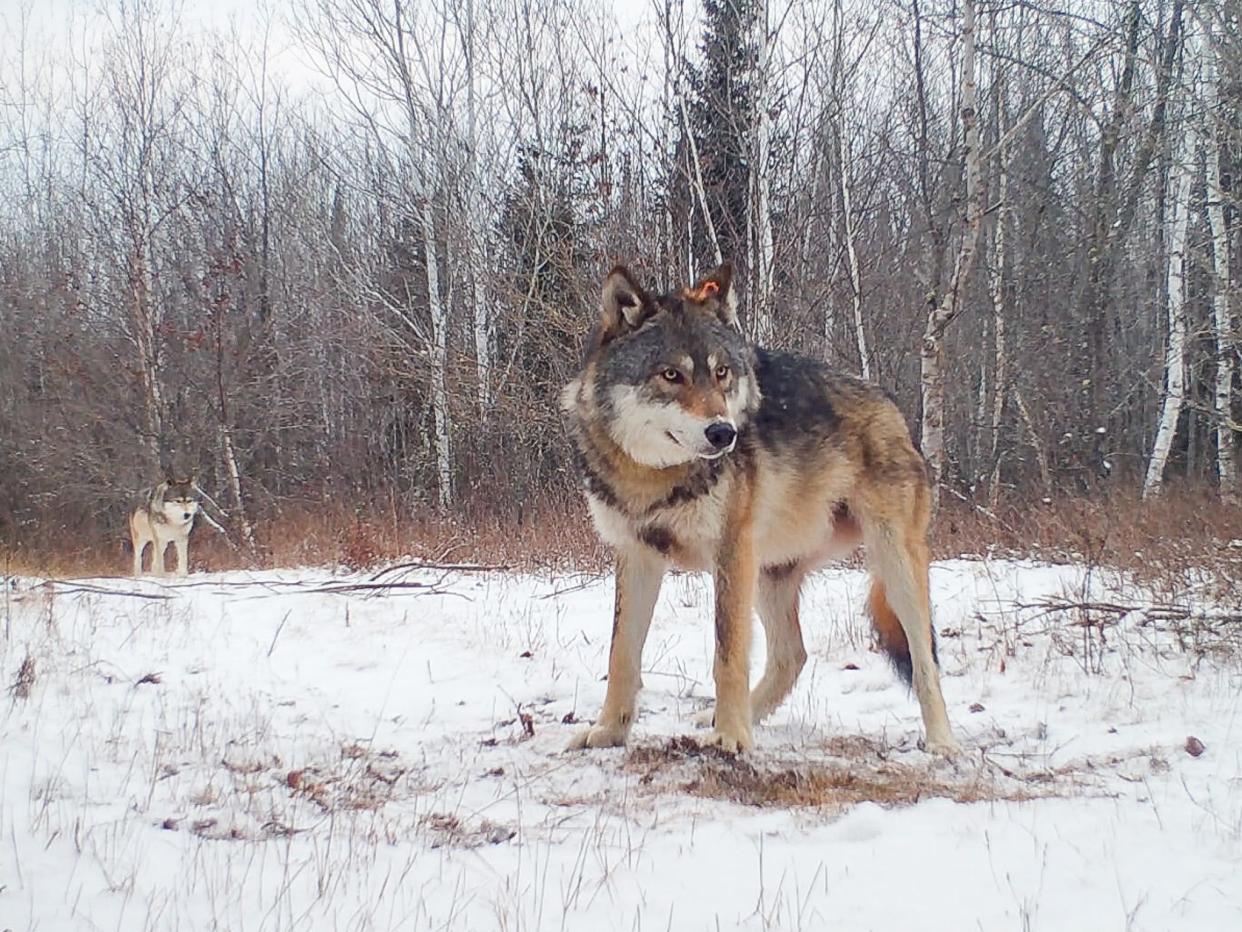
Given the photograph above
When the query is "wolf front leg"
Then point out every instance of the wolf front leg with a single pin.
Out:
(736, 576)
(639, 574)
(159, 547)
(183, 555)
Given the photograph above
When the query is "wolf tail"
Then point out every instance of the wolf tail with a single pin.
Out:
(891, 635)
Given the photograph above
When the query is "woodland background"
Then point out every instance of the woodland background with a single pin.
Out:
(348, 291)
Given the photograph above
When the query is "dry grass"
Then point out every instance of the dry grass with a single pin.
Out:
(1119, 529)
(1165, 538)
(860, 772)
(554, 535)
(1163, 542)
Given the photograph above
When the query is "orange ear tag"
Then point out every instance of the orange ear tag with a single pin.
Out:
(704, 291)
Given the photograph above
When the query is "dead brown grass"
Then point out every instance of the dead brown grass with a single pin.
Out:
(1180, 531)
(1160, 541)
(554, 535)
(862, 775)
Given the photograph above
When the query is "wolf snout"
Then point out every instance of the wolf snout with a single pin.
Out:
(720, 434)
(187, 516)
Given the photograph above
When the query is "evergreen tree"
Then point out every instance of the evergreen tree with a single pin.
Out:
(722, 116)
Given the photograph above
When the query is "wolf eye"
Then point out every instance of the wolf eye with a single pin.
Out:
(671, 375)
(722, 372)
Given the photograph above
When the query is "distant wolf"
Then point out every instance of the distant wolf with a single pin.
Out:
(164, 516)
(701, 451)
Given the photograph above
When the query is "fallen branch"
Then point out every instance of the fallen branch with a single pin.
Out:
(64, 585)
(339, 588)
(441, 567)
(1152, 612)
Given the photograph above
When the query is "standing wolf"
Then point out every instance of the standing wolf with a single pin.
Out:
(702, 451)
(165, 516)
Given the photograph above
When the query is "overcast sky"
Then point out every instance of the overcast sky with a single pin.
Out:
(53, 27)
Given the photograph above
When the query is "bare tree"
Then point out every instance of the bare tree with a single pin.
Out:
(1222, 316)
(366, 289)
(1183, 167)
(951, 302)
(378, 60)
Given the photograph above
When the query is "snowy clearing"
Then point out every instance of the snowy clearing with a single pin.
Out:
(279, 751)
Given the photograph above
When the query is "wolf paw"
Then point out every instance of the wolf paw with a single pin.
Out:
(597, 736)
(942, 747)
(729, 743)
(705, 718)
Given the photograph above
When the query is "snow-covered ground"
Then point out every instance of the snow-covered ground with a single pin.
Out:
(280, 751)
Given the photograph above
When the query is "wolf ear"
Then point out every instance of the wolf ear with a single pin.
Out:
(623, 306)
(715, 294)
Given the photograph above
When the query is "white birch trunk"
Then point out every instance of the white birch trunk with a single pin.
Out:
(145, 336)
(476, 228)
(230, 462)
(950, 304)
(851, 250)
(697, 181)
(1175, 352)
(997, 291)
(482, 329)
(761, 309)
(439, 357)
(1041, 455)
(1222, 319)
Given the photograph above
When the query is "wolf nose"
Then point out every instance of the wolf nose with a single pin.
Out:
(187, 516)
(720, 434)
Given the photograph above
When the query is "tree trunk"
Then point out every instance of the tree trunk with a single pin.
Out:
(1222, 318)
(761, 180)
(950, 304)
(696, 180)
(1115, 212)
(439, 357)
(851, 251)
(230, 463)
(477, 227)
(997, 291)
(145, 335)
(1175, 352)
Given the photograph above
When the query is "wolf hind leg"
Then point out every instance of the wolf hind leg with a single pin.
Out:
(778, 597)
(777, 602)
(899, 563)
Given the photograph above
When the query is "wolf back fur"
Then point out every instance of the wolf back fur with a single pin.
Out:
(700, 451)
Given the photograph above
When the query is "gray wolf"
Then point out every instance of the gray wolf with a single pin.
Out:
(165, 515)
(701, 451)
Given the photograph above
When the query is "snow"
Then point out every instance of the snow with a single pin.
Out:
(364, 759)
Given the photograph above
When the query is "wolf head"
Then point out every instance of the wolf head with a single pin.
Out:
(180, 501)
(669, 377)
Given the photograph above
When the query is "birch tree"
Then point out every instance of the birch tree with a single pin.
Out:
(841, 134)
(950, 304)
(130, 147)
(759, 216)
(1177, 272)
(377, 60)
(996, 291)
(1222, 316)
